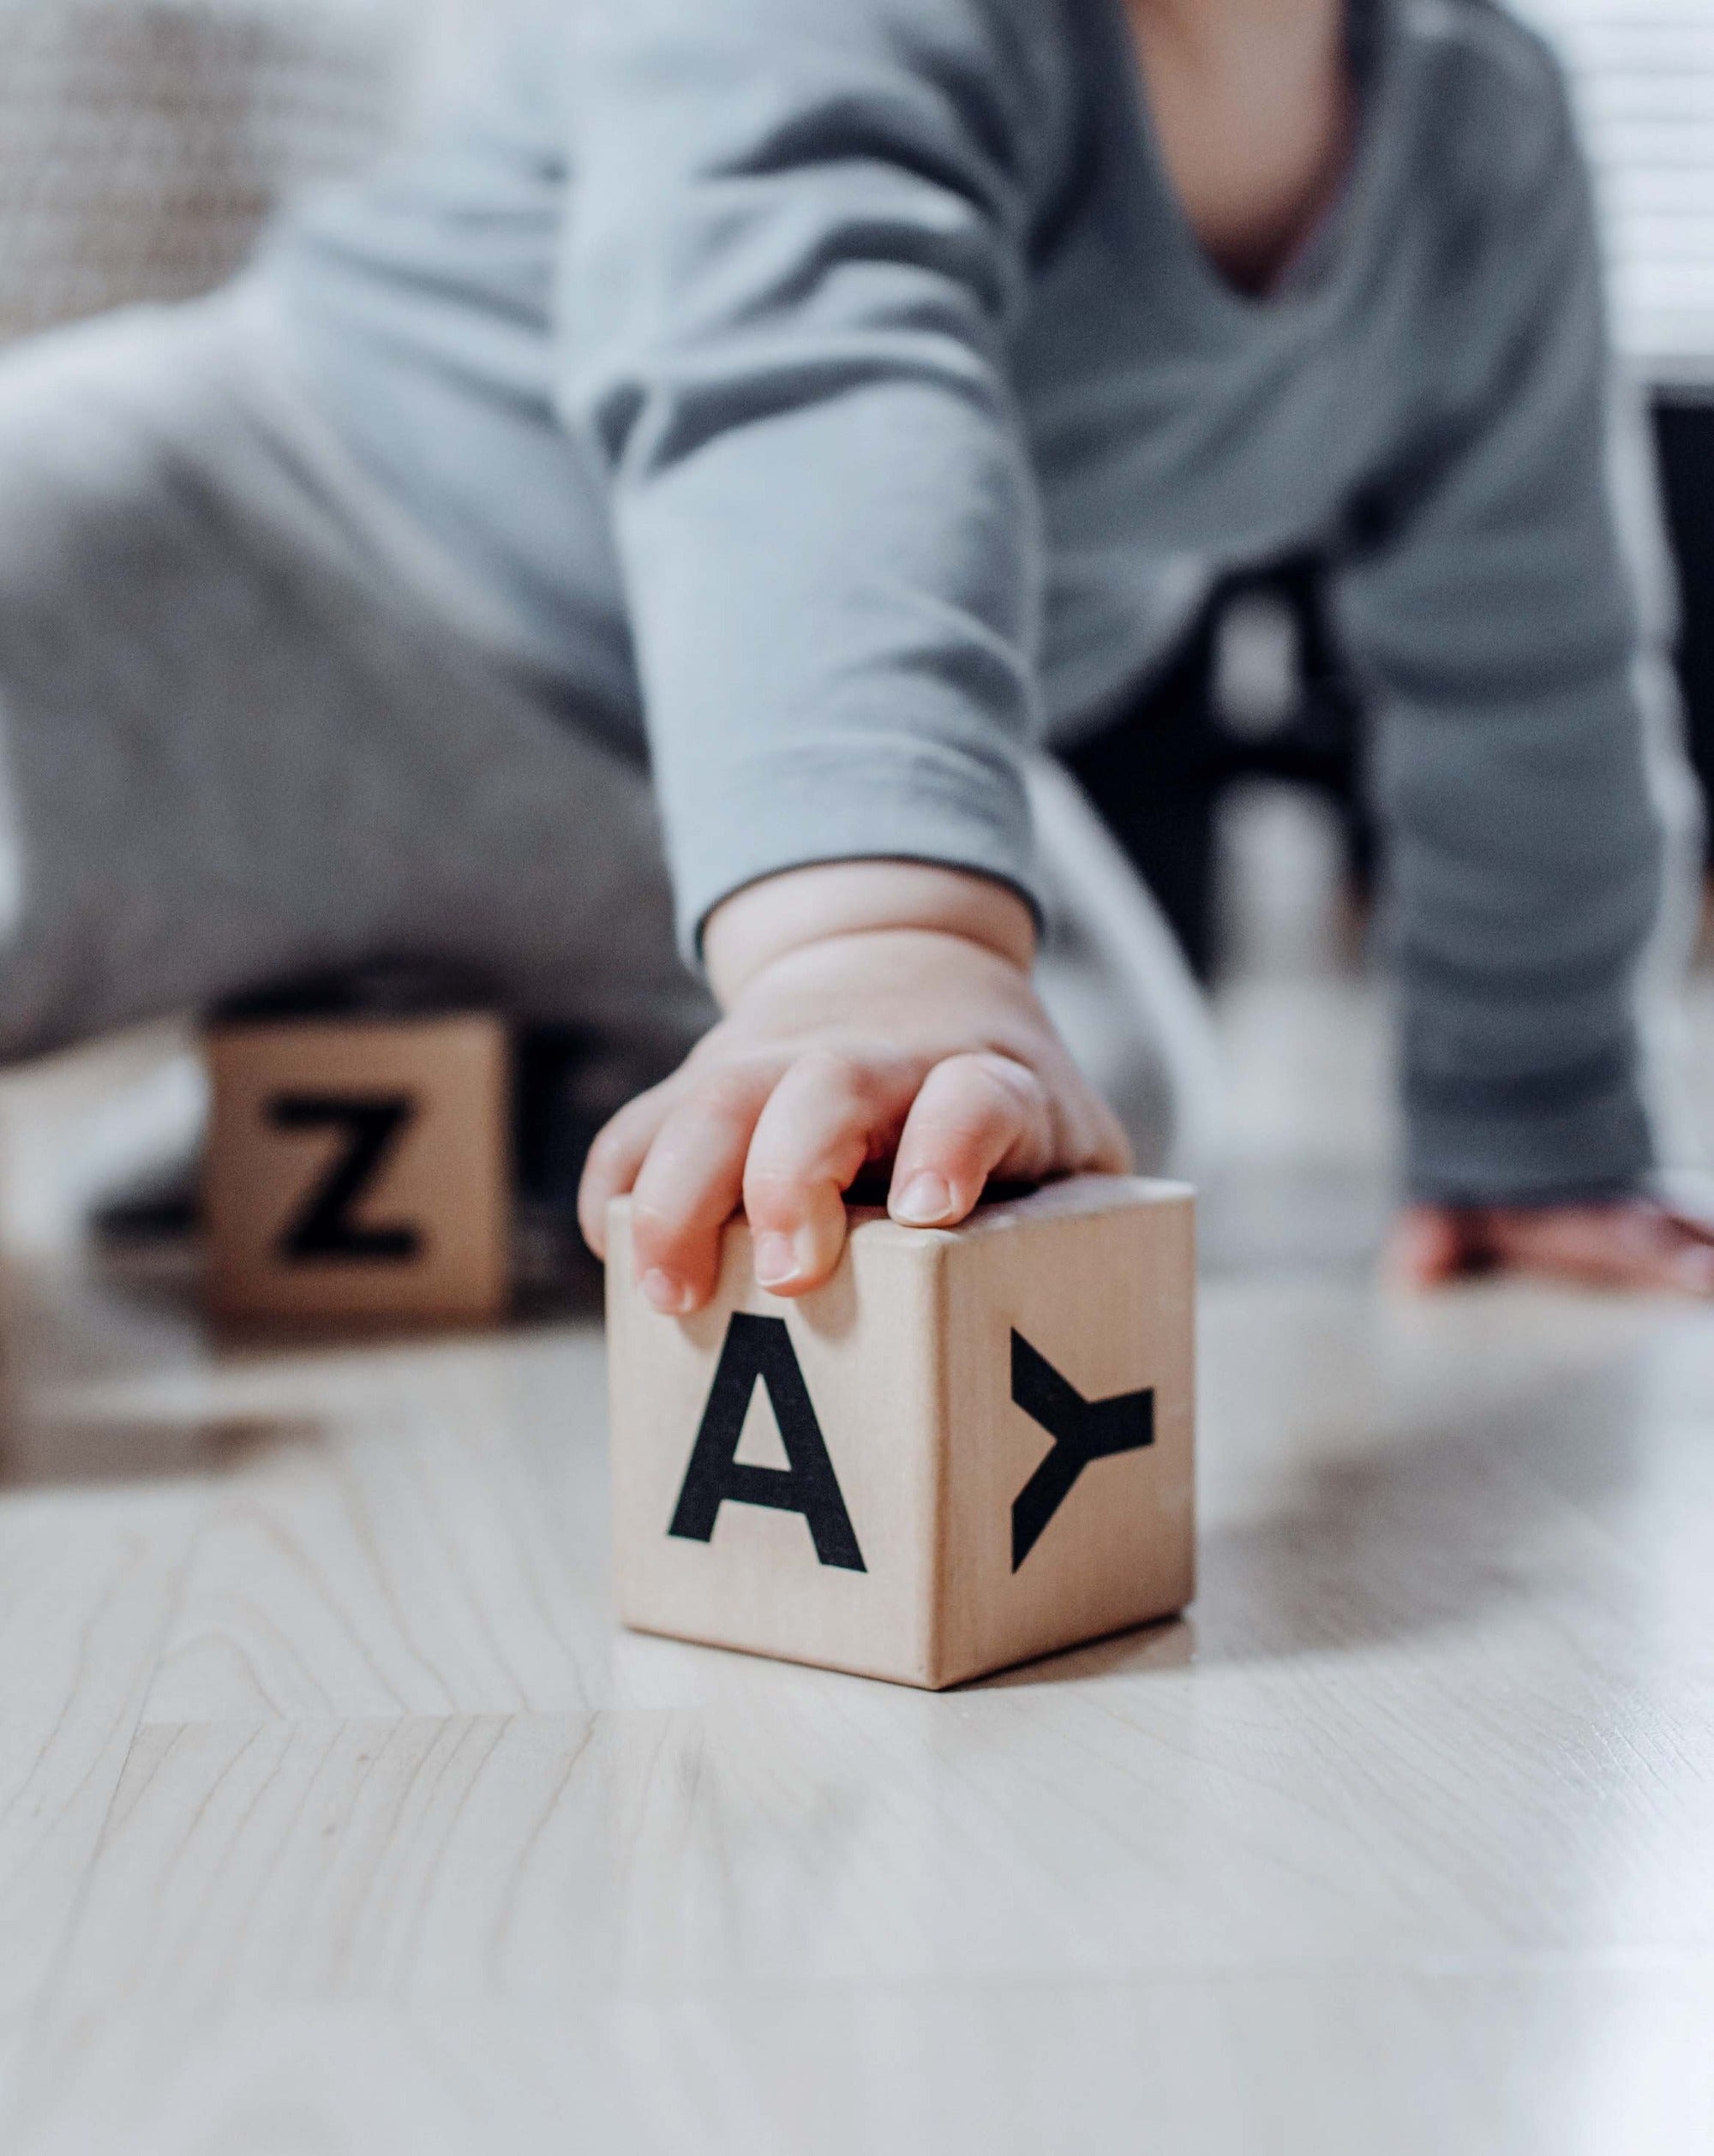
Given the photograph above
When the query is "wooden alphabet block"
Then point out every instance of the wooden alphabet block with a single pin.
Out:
(359, 1169)
(970, 1448)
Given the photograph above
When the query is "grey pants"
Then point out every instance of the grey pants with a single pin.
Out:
(237, 748)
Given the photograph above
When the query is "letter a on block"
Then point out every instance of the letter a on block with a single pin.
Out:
(761, 1348)
(1082, 1431)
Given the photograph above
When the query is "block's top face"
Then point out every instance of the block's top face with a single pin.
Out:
(1077, 1198)
(341, 1034)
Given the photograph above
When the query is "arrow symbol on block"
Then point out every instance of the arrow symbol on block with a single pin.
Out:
(1081, 1430)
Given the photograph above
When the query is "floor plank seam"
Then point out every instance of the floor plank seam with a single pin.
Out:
(37, 2019)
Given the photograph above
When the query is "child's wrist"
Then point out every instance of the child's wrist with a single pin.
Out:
(769, 920)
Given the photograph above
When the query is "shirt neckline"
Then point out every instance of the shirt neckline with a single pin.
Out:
(1325, 259)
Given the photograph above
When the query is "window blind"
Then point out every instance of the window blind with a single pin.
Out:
(1642, 74)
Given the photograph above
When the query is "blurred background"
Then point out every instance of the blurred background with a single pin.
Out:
(143, 142)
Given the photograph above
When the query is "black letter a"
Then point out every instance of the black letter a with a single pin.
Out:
(762, 1348)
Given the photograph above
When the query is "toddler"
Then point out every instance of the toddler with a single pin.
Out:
(826, 403)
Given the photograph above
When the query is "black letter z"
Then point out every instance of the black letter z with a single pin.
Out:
(1081, 1430)
(323, 1229)
(761, 1348)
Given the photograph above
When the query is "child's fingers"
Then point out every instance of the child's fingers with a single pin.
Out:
(974, 1115)
(1092, 1139)
(614, 1158)
(688, 1187)
(812, 1138)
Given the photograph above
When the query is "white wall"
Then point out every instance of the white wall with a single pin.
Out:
(1643, 71)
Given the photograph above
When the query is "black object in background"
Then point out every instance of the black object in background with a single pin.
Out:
(1157, 768)
(1684, 428)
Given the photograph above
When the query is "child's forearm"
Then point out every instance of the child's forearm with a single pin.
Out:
(799, 244)
(782, 913)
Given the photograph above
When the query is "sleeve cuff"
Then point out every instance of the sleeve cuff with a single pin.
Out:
(1557, 1139)
(815, 807)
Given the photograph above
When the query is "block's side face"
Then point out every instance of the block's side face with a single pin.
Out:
(1062, 1524)
(833, 1397)
(360, 1170)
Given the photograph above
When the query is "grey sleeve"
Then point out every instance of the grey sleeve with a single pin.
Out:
(794, 248)
(1496, 612)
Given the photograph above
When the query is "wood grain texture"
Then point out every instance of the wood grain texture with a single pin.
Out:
(406, 1551)
(1403, 1839)
(87, 1587)
(1531, 2063)
(337, 1813)
(1146, 1821)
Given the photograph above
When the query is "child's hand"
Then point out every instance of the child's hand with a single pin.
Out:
(1629, 1243)
(875, 1012)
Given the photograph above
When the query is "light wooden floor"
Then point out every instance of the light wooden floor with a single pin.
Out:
(335, 1816)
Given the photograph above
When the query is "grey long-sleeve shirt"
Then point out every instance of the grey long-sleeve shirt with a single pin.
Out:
(833, 391)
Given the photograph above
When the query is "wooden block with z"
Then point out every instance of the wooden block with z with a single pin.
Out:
(359, 1168)
(971, 1447)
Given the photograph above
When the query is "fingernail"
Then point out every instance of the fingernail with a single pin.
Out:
(776, 1260)
(669, 1297)
(924, 1199)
